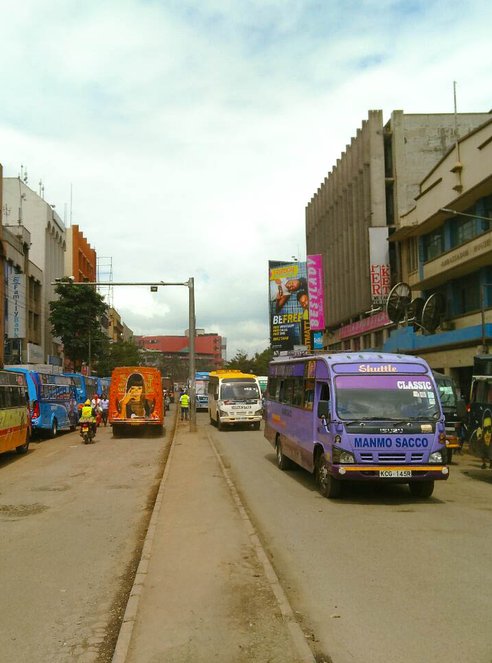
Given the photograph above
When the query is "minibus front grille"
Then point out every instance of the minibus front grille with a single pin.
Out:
(417, 457)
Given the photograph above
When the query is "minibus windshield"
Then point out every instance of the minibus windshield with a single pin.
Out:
(239, 391)
(385, 397)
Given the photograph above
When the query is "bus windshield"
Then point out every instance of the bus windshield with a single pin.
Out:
(239, 391)
(385, 397)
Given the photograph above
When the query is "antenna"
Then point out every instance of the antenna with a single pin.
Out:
(433, 312)
(398, 302)
(414, 311)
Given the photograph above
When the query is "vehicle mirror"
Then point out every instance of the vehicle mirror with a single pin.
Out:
(324, 409)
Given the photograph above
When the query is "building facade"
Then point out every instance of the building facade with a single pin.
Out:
(25, 208)
(80, 257)
(445, 244)
(171, 353)
(357, 208)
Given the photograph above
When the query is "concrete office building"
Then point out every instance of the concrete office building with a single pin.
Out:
(445, 244)
(358, 206)
(47, 231)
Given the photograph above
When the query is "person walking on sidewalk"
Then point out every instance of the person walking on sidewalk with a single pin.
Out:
(184, 403)
(104, 409)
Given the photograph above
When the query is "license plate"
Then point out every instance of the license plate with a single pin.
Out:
(395, 474)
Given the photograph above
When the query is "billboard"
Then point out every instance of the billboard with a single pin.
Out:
(380, 268)
(314, 267)
(16, 312)
(288, 306)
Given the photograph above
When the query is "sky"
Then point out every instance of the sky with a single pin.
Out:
(186, 137)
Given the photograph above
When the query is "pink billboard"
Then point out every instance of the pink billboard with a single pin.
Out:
(314, 269)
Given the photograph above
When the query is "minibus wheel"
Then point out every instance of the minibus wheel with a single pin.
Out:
(328, 486)
(421, 488)
(54, 428)
(283, 462)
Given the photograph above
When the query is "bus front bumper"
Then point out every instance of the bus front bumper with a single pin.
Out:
(393, 473)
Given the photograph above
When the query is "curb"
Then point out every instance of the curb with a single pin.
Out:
(129, 618)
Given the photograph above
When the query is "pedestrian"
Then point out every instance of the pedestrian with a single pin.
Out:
(184, 403)
(104, 409)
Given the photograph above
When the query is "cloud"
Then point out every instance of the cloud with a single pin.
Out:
(194, 133)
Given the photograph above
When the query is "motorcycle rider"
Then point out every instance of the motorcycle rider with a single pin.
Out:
(89, 415)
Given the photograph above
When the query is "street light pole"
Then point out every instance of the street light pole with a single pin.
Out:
(192, 334)
(190, 284)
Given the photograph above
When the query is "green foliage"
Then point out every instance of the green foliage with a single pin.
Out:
(258, 364)
(75, 317)
(122, 353)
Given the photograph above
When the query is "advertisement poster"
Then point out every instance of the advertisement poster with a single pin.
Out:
(380, 268)
(289, 306)
(16, 315)
(314, 268)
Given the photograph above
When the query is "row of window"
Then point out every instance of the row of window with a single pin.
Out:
(298, 392)
(458, 230)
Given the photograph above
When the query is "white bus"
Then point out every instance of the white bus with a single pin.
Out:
(234, 398)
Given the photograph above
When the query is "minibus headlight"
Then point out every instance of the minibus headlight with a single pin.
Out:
(435, 457)
(343, 457)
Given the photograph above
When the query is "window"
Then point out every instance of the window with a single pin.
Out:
(433, 244)
(308, 394)
(412, 254)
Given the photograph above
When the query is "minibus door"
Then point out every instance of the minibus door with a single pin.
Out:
(323, 425)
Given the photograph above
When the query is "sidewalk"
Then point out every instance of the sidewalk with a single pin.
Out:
(204, 590)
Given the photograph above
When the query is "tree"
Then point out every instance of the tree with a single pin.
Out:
(121, 353)
(75, 317)
(258, 364)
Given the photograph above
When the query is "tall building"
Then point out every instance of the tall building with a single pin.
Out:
(80, 257)
(358, 206)
(26, 208)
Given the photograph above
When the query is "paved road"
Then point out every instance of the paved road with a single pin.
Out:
(377, 575)
(71, 518)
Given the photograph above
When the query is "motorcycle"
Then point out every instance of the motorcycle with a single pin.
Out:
(87, 432)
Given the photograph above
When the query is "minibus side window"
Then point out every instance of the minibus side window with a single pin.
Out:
(308, 394)
(298, 396)
(324, 394)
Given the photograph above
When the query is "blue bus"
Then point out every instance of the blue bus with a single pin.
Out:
(86, 386)
(357, 416)
(103, 386)
(201, 389)
(52, 401)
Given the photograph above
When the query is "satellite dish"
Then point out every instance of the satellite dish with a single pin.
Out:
(414, 311)
(433, 312)
(398, 301)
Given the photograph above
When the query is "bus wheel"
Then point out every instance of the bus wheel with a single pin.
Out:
(220, 425)
(256, 425)
(421, 488)
(23, 447)
(116, 431)
(450, 456)
(54, 428)
(328, 486)
(283, 462)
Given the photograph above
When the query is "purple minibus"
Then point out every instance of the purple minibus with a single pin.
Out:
(362, 416)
